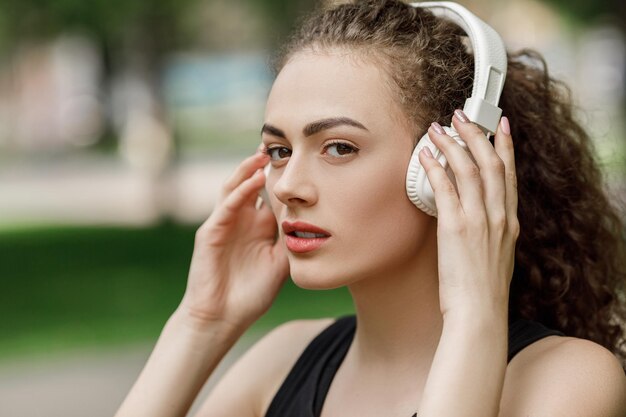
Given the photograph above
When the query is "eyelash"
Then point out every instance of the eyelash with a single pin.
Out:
(354, 150)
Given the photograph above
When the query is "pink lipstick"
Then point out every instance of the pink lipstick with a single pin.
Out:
(302, 237)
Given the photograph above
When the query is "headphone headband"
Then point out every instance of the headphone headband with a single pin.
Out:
(490, 63)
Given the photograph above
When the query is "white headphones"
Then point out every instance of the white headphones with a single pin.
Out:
(481, 108)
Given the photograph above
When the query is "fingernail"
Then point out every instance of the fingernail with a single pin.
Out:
(438, 128)
(262, 152)
(461, 116)
(504, 125)
(427, 152)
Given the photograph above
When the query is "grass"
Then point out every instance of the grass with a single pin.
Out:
(67, 288)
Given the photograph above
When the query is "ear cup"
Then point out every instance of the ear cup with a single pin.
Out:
(418, 187)
(263, 191)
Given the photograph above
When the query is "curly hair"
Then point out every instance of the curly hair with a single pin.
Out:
(571, 253)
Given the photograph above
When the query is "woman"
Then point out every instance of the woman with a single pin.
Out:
(434, 297)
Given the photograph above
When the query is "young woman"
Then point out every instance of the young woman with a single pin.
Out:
(505, 304)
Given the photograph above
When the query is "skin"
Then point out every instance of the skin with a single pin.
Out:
(431, 295)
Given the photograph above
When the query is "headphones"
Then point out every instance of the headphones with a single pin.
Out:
(490, 64)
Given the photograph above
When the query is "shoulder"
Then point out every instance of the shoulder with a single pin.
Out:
(251, 382)
(564, 376)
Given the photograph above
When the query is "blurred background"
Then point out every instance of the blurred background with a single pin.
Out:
(119, 120)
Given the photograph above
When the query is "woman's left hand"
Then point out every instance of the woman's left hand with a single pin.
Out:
(477, 227)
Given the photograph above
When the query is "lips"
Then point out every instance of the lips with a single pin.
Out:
(298, 226)
(301, 237)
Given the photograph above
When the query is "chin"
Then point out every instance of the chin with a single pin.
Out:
(310, 281)
(316, 277)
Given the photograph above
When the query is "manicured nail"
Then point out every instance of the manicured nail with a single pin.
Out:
(461, 116)
(427, 152)
(504, 125)
(438, 128)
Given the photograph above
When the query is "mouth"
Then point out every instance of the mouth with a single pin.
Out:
(306, 235)
(303, 230)
(301, 237)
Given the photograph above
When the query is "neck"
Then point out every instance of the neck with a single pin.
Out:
(399, 321)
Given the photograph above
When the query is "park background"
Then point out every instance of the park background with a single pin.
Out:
(119, 120)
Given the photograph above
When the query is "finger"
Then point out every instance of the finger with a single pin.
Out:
(245, 169)
(490, 166)
(466, 173)
(226, 212)
(503, 142)
(446, 198)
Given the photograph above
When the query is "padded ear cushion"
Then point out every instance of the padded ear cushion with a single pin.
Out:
(418, 186)
(263, 191)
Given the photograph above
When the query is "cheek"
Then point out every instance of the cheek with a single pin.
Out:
(377, 228)
(385, 218)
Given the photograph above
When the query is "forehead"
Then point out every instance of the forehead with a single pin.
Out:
(320, 84)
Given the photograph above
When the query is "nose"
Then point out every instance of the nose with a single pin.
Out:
(295, 185)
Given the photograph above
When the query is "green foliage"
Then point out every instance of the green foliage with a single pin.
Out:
(585, 12)
(109, 21)
(69, 288)
(282, 16)
(162, 22)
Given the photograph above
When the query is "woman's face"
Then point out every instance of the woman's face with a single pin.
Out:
(348, 178)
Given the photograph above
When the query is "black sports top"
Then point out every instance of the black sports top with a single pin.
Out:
(304, 390)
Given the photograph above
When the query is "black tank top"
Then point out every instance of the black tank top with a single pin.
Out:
(303, 392)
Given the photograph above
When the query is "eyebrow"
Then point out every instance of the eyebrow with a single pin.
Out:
(314, 127)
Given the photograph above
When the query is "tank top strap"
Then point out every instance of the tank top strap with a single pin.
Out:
(524, 332)
(313, 372)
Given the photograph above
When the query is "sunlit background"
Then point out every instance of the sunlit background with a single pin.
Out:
(119, 120)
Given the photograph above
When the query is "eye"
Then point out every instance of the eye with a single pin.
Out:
(277, 153)
(340, 149)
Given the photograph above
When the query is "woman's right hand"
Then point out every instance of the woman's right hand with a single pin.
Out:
(236, 269)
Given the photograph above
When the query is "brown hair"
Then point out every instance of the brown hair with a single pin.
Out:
(570, 256)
